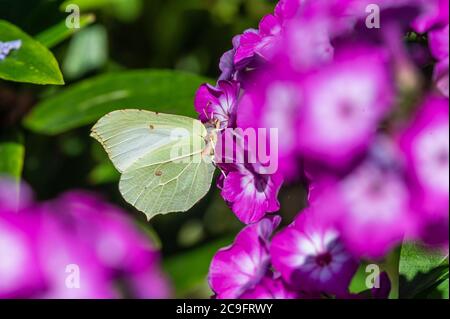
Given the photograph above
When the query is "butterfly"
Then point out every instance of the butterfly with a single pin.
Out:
(166, 161)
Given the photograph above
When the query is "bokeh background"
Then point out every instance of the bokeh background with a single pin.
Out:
(117, 36)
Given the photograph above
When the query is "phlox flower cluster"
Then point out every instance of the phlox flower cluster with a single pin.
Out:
(358, 91)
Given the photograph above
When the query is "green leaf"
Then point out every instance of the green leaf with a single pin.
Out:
(443, 289)
(416, 258)
(104, 173)
(59, 32)
(32, 63)
(433, 285)
(392, 267)
(358, 283)
(12, 154)
(188, 271)
(87, 101)
(422, 270)
(88, 51)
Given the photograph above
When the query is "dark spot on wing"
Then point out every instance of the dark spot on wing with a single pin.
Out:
(158, 173)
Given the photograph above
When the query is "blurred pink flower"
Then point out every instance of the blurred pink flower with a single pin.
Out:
(439, 46)
(76, 246)
(371, 207)
(311, 257)
(343, 104)
(20, 274)
(425, 144)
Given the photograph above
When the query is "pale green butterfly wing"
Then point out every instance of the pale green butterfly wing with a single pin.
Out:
(163, 158)
(128, 135)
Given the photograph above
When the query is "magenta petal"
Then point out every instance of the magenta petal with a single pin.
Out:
(14, 196)
(270, 288)
(372, 210)
(203, 98)
(434, 13)
(310, 256)
(344, 104)
(439, 42)
(64, 259)
(441, 77)
(246, 50)
(251, 195)
(287, 9)
(117, 244)
(18, 247)
(218, 103)
(269, 25)
(425, 144)
(149, 284)
(78, 245)
(242, 265)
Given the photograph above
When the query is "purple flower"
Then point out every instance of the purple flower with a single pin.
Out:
(79, 246)
(218, 103)
(240, 267)
(70, 267)
(254, 46)
(150, 283)
(441, 76)
(311, 257)
(425, 144)
(342, 106)
(247, 186)
(251, 195)
(371, 208)
(260, 43)
(287, 9)
(226, 63)
(434, 13)
(20, 275)
(264, 43)
(273, 103)
(121, 250)
(383, 291)
(14, 196)
(312, 38)
(116, 243)
(438, 40)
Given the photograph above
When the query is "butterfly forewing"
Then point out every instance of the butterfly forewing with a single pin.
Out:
(127, 135)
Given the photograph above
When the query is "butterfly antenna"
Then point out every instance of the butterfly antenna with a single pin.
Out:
(221, 170)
